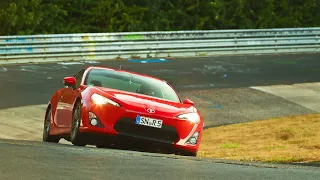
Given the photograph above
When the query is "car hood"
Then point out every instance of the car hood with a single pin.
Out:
(140, 102)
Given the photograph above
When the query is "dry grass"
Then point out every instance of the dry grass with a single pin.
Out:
(287, 139)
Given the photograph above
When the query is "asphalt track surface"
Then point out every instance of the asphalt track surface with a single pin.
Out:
(218, 85)
(30, 84)
(34, 160)
(217, 79)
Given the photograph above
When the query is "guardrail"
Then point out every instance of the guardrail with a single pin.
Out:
(95, 46)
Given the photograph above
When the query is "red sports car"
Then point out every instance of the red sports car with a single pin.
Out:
(103, 106)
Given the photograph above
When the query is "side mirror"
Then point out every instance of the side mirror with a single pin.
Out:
(188, 101)
(69, 81)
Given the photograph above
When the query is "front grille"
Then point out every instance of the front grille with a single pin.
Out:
(127, 126)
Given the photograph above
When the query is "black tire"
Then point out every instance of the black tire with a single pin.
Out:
(46, 137)
(76, 137)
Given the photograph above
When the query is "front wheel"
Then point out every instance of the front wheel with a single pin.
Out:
(46, 137)
(75, 135)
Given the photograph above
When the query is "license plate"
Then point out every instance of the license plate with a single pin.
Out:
(145, 121)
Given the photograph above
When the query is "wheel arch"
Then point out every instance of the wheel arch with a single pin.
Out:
(78, 100)
(53, 103)
(47, 110)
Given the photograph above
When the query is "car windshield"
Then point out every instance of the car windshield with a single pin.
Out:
(130, 82)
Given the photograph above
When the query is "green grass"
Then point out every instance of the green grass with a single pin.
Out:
(230, 145)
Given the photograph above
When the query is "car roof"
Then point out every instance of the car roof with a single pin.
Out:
(119, 70)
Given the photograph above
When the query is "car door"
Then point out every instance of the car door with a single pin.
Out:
(66, 102)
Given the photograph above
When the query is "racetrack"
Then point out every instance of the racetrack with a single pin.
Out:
(34, 160)
(220, 87)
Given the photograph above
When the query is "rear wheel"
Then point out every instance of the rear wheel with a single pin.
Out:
(46, 137)
(76, 137)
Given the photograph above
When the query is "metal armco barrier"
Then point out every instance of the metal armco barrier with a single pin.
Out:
(99, 46)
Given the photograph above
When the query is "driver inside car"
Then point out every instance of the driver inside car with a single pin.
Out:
(147, 90)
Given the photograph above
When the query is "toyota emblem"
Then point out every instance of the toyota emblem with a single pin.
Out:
(151, 110)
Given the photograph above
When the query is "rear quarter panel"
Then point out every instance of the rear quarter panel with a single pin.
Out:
(54, 101)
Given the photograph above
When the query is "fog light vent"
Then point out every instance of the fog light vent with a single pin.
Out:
(94, 120)
(193, 140)
(92, 115)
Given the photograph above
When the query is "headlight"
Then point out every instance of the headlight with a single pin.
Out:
(100, 100)
(192, 117)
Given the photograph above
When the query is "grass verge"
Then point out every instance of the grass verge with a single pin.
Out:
(287, 139)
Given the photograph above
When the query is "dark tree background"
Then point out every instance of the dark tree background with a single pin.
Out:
(19, 17)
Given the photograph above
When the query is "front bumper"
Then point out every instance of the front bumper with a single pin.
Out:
(118, 121)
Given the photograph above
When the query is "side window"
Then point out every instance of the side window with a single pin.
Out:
(78, 77)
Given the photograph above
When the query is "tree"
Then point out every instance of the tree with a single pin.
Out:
(19, 17)
(94, 16)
